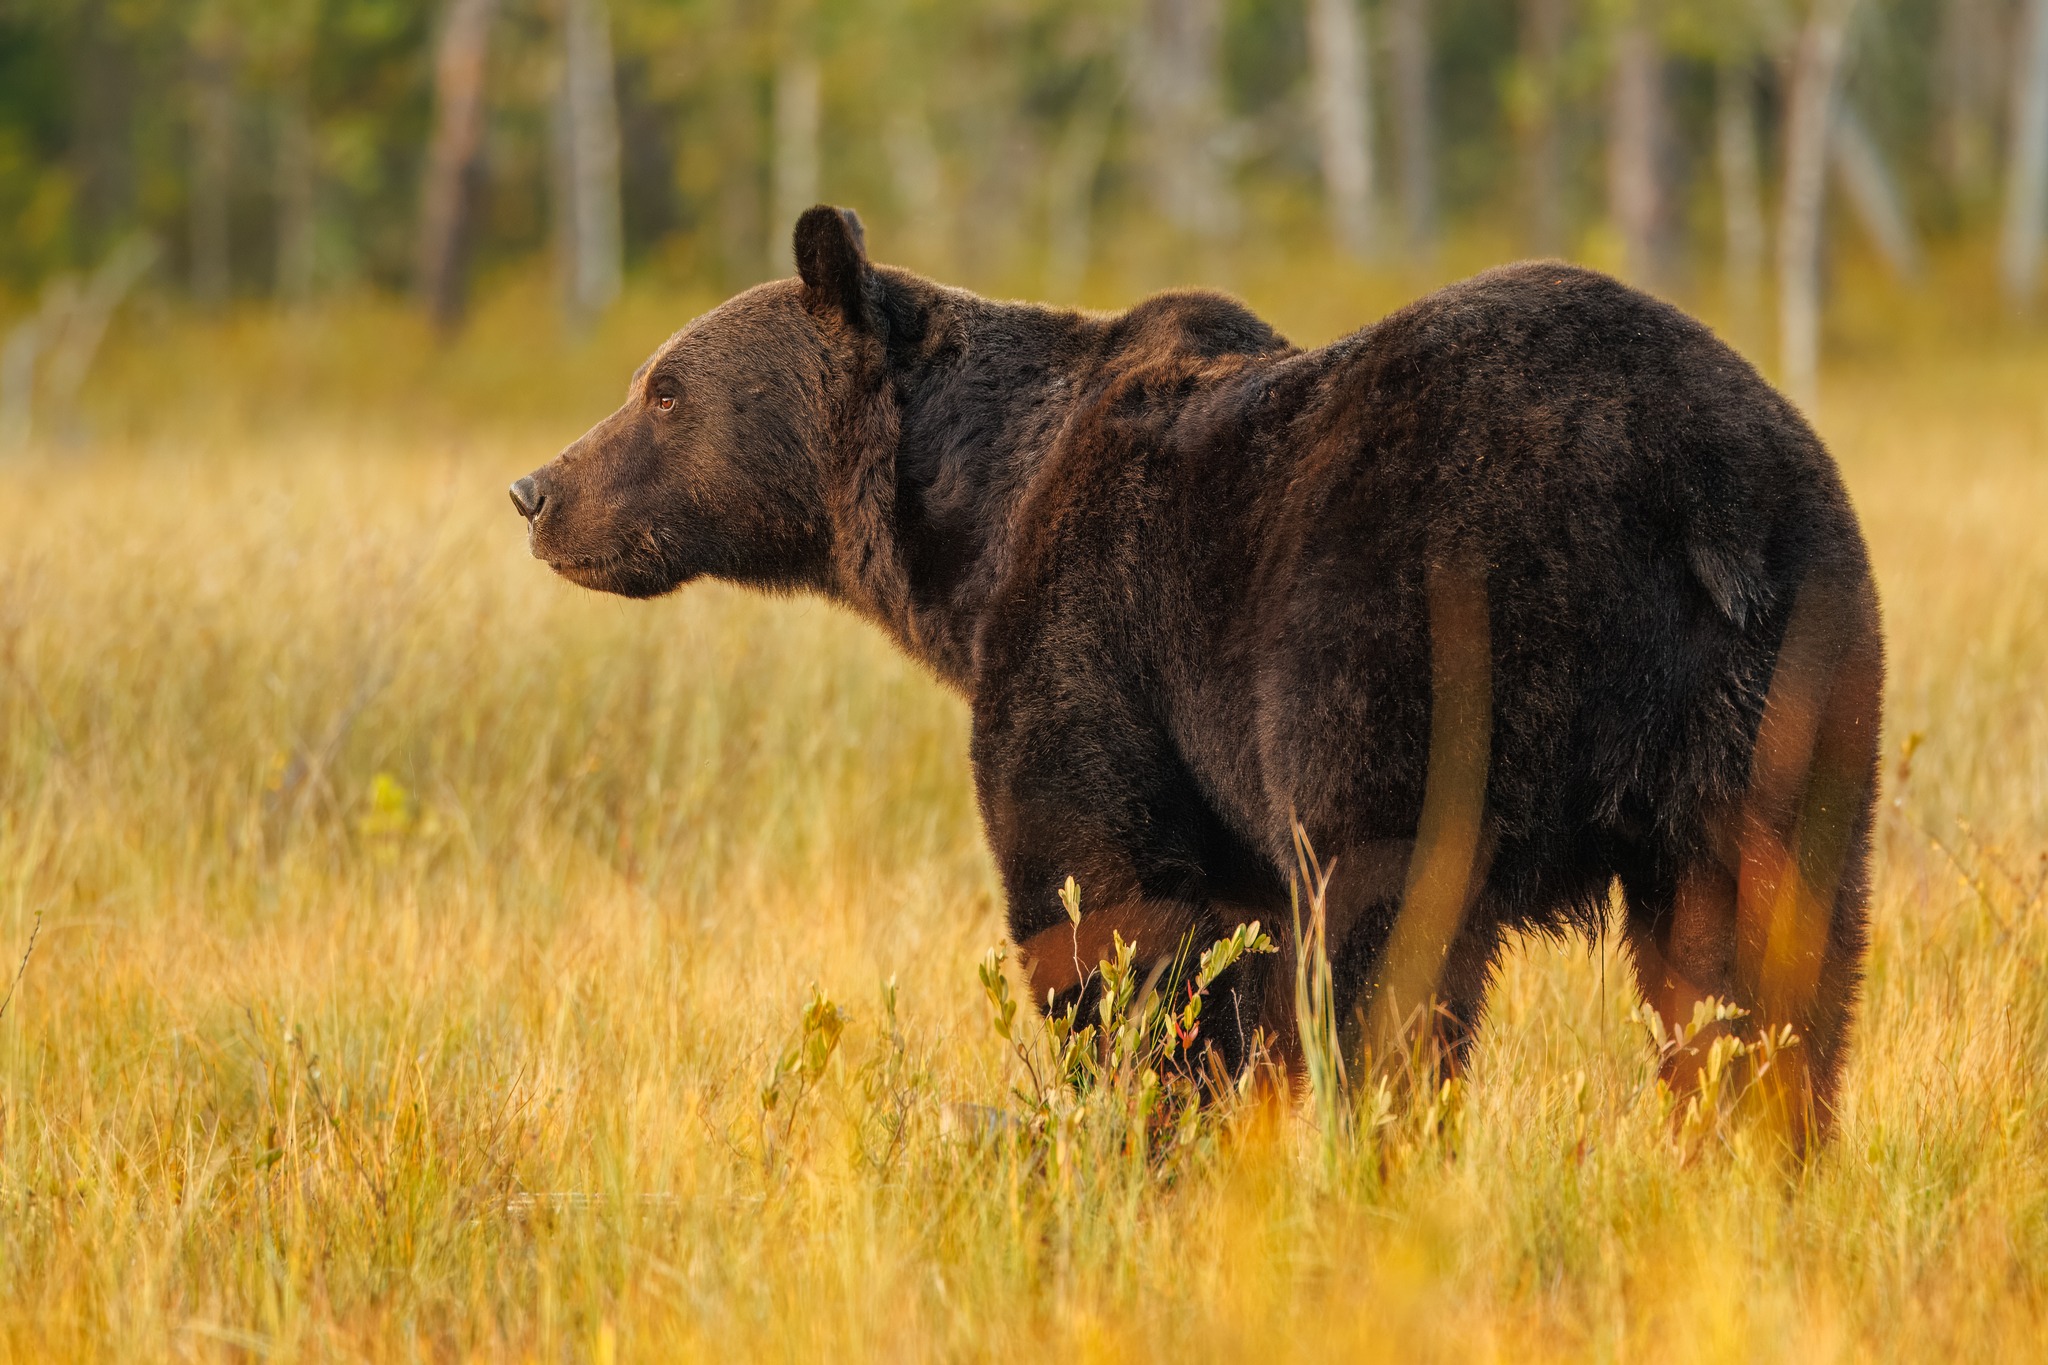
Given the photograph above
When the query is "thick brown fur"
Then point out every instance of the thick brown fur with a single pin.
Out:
(1182, 572)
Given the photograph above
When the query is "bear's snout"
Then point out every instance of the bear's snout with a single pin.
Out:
(527, 497)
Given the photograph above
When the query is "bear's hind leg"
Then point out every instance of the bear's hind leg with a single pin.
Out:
(1680, 934)
(1776, 920)
(1749, 942)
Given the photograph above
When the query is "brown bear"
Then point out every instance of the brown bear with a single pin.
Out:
(1531, 590)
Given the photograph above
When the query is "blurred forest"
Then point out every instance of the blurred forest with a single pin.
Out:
(283, 149)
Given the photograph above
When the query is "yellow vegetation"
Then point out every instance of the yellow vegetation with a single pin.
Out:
(437, 961)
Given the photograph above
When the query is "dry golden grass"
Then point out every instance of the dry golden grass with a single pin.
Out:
(417, 933)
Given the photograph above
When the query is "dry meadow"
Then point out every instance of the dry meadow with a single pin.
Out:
(434, 961)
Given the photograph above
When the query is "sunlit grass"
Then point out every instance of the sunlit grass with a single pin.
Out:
(418, 933)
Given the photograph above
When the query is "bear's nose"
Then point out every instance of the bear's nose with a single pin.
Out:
(527, 497)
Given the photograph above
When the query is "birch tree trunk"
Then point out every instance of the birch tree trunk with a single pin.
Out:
(739, 130)
(1968, 73)
(1411, 58)
(1535, 114)
(1176, 85)
(213, 151)
(794, 169)
(587, 164)
(1339, 56)
(74, 346)
(1742, 206)
(2026, 173)
(1809, 116)
(453, 156)
(1635, 151)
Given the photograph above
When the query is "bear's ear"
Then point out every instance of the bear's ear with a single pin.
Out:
(832, 261)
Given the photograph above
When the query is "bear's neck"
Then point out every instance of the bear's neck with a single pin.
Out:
(980, 402)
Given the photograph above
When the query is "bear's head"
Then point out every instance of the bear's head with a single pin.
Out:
(720, 460)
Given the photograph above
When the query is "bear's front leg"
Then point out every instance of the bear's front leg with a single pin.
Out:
(1062, 962)
(1066, 956)
(1111, 806)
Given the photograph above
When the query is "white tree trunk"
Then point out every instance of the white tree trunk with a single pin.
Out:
(74, 348)
(1969, 73)
(1742, 206)
(1809, 117)
(18, 355)
(1635, 150)
(1339, 56)
(2026, 174)
(23, 350)
(735, 125)
(1177, 87)
(587, 158)
(1410, 58)
(797, 116)
(452, 157)
(1867, 183)
(62, 337)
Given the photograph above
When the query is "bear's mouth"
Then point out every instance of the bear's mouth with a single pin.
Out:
(588, 571)
(584, 563)
(620, 572)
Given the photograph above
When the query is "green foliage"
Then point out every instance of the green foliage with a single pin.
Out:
(797, 1070)
(1132, 1079)
(1731, 1069)
(954, 125)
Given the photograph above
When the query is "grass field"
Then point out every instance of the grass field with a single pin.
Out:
(418, 935)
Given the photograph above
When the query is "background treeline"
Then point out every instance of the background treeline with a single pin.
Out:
(287, 147)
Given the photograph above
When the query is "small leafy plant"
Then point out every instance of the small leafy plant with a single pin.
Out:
(796, 1071)
(1730, 1072)
(1123, 1062)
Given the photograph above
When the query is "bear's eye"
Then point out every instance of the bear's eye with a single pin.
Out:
(667, 402)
